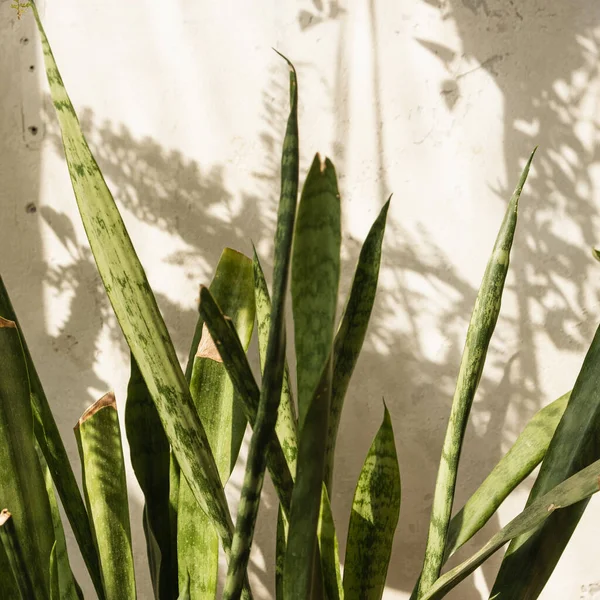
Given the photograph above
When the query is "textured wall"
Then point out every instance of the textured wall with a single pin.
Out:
(438, 102)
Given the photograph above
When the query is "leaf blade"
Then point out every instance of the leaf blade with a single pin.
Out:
(481, 327)
(375, 513)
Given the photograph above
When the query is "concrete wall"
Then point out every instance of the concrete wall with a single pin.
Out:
(439, 102)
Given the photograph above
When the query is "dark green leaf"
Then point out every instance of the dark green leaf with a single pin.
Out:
(20, 567)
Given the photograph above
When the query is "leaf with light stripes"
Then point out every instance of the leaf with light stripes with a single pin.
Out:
(55, 455)
(375, 512)
(577, 488)
(222, 415)
(315, 279)
(481, 327)
(137, 311)
(353, 328)
(105, 489)
(524, 455)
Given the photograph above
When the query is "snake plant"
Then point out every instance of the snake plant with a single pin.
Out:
(185, 426)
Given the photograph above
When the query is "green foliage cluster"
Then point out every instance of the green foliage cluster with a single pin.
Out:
(185, 427)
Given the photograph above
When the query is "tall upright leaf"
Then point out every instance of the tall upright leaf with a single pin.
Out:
(329, 551)
(353, 328)
(530, 559)
(482, 325)
(55, 454)
(136, 309)
(375, 512)
(150, 457)
(221, 411)
(22, 486)
(524, 455)
(274, 365)
(105, 490)
(315, 279)
(571, 492)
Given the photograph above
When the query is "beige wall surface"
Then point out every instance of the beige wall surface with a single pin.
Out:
(439, 102)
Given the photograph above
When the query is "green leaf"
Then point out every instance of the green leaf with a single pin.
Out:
(54, 584)
(136, 310)
(185, 594)
(55, 454)
(315, 279)
(286, 426)
(23, 488)
(222, 415)
(65, 585)
(569, 493)
(150, 457)
(524, 455)
(8, 584)
(483, 321)
(375, 512)
(274, 364)
(353, 328)
(573, 447)
(105, 490)
(234, 358)
(21, 568)
(280, 546)
(329, 550)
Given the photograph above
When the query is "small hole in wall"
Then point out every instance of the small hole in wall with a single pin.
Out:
(31, 68)
(33, 130)
(24, 41)
(31, 208)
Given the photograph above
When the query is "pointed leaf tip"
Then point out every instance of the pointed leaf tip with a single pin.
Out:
(596, 253)
(107, 400)
(287, 60)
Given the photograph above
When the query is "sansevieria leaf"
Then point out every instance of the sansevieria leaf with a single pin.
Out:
(481, 327)
(574, 490)
(16, 561)
(105, 490)
(524, 455)
(375, 512)
(530, 560)
(22, 485)
(52, 447)
(137, 311)
(315, 279)
(150, 457)
(353, 328)
(329, 551)
(222, 415)
(274, 365)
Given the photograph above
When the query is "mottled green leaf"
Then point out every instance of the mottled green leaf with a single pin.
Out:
(55, 454)
(22, 488)
(137, 311)
(530, 560)
(274, 364)
(22, 569)
(353, 328)
(524, 455)
(105, 491)
(329, 551)
(235, 361)
(481, 327)
(569, 493)
(221, 412)
(315, 279)
(375, 512)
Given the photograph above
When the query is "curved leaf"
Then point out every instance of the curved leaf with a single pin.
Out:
(481, 327)
(353, 328)
(569, 493)
(524, 455)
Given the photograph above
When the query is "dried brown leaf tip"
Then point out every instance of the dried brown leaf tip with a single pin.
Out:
(4, 516)
(207, 347)
(6, 323)
(106, 400)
